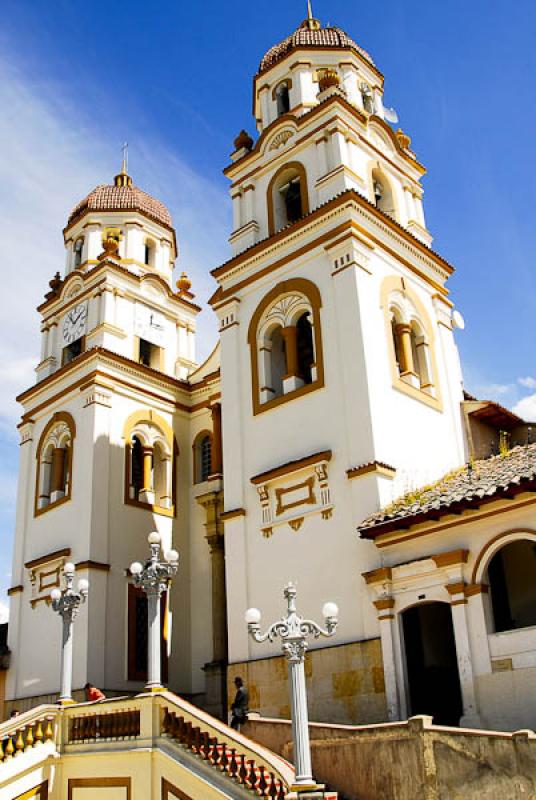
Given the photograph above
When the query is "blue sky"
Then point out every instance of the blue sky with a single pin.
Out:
(174, 79)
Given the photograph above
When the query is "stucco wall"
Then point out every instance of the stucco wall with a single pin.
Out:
(345, 683)
(413, 760)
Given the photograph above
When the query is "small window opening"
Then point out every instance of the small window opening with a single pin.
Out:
(305, 348)
(137, 467)
(205, 452)
(383, 196)
(397, 344)
(368, 98)
(278, 362)
(73, 350)
(283, 99)
(149, 354)
(78, 245)
(149, 253)
(291, 193)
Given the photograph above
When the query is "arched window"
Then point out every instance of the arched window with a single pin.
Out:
(77, 253)
(288, 199)
(54, 462)
(282, 98)
(150, 458)
(202, 453)
(512, 583)
(410, 340)
(382, 193)
(286, 344)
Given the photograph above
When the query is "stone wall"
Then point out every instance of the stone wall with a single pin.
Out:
(413, 760)
(345, 684)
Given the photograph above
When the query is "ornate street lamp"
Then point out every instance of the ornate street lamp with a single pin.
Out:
(293, 629)
(154, 578)
(67, 604)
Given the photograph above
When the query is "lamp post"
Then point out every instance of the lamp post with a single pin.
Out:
(293, 630)
(67, 604)
(154, 578)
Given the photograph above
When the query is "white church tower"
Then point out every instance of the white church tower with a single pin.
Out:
(340, 375)
(100, 437)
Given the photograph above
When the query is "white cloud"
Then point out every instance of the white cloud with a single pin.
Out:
(4, 612)
(528, 382)
(526, 408)
(491, 390)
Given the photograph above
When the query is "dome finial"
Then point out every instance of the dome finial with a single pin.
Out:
(311, 22)
(124, 179)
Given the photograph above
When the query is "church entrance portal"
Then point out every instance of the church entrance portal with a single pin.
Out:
(432, 667)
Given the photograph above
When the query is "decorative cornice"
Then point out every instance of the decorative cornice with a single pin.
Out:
(291, 466)
(233, 514)
(377, 467)
(37, 562)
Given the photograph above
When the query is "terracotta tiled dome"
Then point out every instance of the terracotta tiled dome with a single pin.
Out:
(109, 197)
(311, 36)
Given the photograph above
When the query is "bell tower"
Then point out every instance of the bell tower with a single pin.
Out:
(100, 437)
(339, 365)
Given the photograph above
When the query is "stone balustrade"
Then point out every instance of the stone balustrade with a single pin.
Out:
(25, 735)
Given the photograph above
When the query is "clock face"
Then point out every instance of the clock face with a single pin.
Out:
(150, 325)
(75, 323)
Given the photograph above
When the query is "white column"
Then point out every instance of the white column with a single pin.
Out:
(386, 619)
(153, 641)
(237, 210)
(410, 204)
(351, 85)
(300, 720)
(476, 616)
(248, 204)
(322, 156)
(378, 104)
(471, 716)
(66, 680)
(44, 343)
(265, 107)
(108, 307)
(419, 210)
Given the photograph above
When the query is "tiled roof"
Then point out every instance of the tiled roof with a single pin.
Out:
(107, 197)
(469, 486)
(329, 37)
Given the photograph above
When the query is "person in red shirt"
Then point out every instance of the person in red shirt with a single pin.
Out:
(92, 693)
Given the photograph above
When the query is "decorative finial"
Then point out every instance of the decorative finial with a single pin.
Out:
(111, 248)
(311, 22)
(124, 179)
(243, 140)
(184, 284)
(55, 285)
(124, 168)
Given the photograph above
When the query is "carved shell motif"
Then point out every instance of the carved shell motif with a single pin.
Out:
(281, 139)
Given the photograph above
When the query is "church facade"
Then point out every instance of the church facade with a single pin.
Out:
(326, 440)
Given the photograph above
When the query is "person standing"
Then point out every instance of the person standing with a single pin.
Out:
(239, 708)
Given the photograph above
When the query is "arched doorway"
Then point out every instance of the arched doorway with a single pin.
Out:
(431, 663)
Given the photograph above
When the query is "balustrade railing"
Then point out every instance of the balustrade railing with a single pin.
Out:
(111, 726)
(26, 736)
(219, 754)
